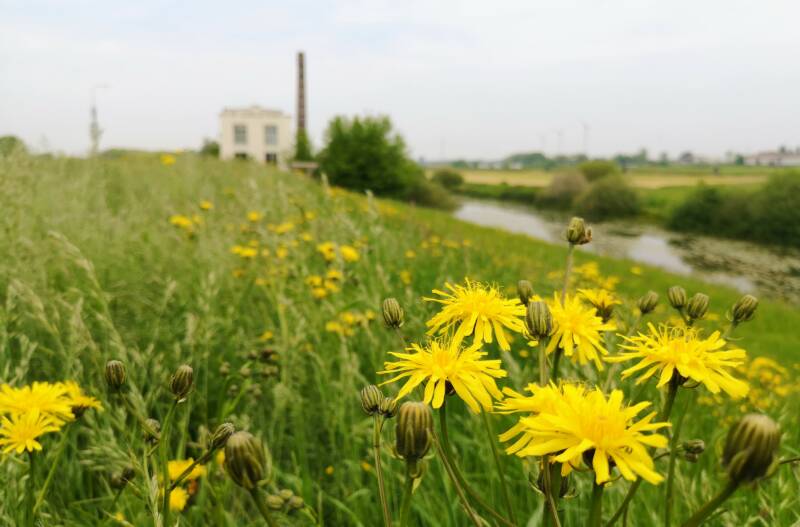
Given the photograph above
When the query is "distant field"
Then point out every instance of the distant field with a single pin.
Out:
(642, 178)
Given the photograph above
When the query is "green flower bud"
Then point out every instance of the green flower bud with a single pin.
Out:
(677, 297)
(221, 435)
(274, 502)
(285, 494)
(525, 291)
(648, 302)
(152, 429)
(296, 503)
(539, 320)
(744, 309)
(115, 375)
(578, 233)
(414, 432)
(751, 448)
(392, 313)
(371, 398)
(388, 407)
(245, 459)
(181, 382)
(120, 480)
(694, 446)
(697, 307)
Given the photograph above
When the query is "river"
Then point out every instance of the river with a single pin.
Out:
(748, 267)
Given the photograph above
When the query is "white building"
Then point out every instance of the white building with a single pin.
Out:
(256, 133)
(775, 159)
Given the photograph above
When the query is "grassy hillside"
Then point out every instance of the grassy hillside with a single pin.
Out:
(223, 266)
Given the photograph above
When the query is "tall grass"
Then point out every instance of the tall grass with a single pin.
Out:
(91, 269)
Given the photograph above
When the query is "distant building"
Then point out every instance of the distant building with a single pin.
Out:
(775, 159)
(256, 133)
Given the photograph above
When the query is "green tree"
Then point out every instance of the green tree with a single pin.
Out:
(302, 147)
(10, 144)
(210, 148)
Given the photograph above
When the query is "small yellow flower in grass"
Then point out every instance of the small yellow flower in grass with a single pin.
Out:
(578, 331)
(177, 466)
(254, 216)
(329, 470)
(601, 300)
(48, 399)
(349, 254)
(405, 277)
(636, 270)
(581, 424)
(178, 497)
(206, 205)
(410, 254)
(79, 401)
(444, 364)
(21, 431)
(477, 310)
(181, 221)
(328, 250)
(267, 335)
(167, 159)
(679, 350)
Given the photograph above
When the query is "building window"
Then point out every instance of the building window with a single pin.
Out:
(240, 155)
(240, 134)
(271, 159)
(271, 134)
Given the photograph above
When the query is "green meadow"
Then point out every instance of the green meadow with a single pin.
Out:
(270, 286)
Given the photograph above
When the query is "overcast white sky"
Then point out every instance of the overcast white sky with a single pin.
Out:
(473, 78)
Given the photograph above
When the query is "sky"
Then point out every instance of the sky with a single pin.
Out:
(460, 79)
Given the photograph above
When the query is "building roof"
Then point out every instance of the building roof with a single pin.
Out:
(254, 110)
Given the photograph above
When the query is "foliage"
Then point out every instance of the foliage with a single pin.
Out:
(210, 148)
(598, 169)
(503, 191)
(608, 198)
(302, 147)
(11, 144)
(448, 178)
(563, 190)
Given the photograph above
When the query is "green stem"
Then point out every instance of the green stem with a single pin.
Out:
(623, 508)
(556, 361)
(261, 505)
(596, 508)
(503, 486)
(376, 445)
(567, 271)
(673, 450)
(458, 480)
(405, 508)
(163, 448)
(202, 460)
(552, 481)
(142, 421)
(706, 510)
(30, 513)
(62, 443)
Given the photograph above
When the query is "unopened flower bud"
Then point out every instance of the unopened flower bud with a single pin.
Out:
(539, 320)
(285, 494)
(371, 398)
(115, 375)
(694, 446)
(245, 459)
(697, 307)
(274, 502)
(744, 309)
(677, 297)
(119, 480)
(388, 407)
(152, 429)
(414, 433)
(181, 383)
(751, 448)
(578, 233)
(221, 435)
(296, 503)
(648, 302)
(392, 313)
(525, 291)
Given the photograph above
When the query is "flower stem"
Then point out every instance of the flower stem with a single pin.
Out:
(552, 480)
(596, 507)
(163, 448)
(62, 443)
(261, 505)
(503, 487)
(376, 445)
(567, 271)
(30, 513)
(706, 510)
(405, 508)
(673, 450)
(199, 461)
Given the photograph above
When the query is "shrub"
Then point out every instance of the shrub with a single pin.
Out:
(598, 169)
(448, 178)
(562, 191)
(302, 147)
(429, 194)
(503, 191)
(776, 210)
(698, 211)
(10, 144)
(608, 198)
(210, 148)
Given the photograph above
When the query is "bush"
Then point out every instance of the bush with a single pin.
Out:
(210, 148)
(11, 144)
(366, 154)
(776, 210)
(429, 194)
(448, 178)
(302, 147)
(503, 192)
(562, 191)
(608, 198)
(597, 169)
(698, 211)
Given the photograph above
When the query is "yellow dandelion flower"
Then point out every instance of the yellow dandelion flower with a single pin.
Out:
(254, 216)
(48, 399)
(542, 399)
(267, 335)
(178, 497)
(329, 470)
(281, 253)
(21, 431)
(410, 254)
(680, 350)
(219, 458)
(349, 254)
(177, 466)
(602, 300)
(477, 310)
(636, 270)
(181, 221)
(206, 205)
(366, 467)
(334, 274)
(79, 401)
(314, 280)
(328, 251)
(167, 159)
(306, 237)
(578, 331)
(319, 292)
(281, 228)
(586, 423)
(444, 364)
(405, 277)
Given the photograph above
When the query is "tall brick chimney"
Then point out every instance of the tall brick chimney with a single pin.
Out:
(301, 92)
